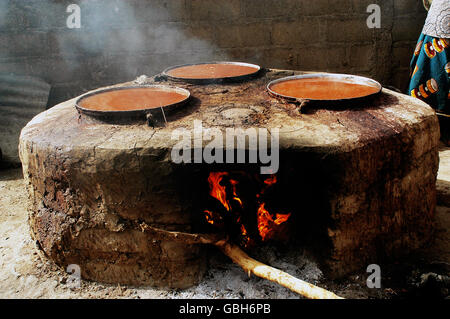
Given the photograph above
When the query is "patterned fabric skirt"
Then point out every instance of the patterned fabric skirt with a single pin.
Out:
(430, 72)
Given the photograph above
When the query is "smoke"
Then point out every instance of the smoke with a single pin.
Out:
(3, 13)
(132, 45)
(117, 40)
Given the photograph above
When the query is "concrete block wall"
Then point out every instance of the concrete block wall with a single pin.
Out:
(119, 40)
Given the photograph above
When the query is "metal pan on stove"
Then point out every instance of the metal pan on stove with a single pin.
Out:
(323, 87)
(212, 72)
(132, 102)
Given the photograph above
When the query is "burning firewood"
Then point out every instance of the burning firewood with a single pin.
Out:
(250, 265)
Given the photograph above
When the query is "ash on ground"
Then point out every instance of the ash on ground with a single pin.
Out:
(227, 280)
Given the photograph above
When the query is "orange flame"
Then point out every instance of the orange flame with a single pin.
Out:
(281, 218)
(245, 238)
(266, 224)
(218, 191)
(271, 180)
(209, 217)
(235, 197)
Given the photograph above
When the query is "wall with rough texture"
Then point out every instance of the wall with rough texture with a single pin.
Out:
(119, 40)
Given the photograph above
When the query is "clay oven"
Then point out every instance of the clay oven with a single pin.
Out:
(356, 183)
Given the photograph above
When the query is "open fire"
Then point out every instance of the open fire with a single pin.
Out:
(245, 208)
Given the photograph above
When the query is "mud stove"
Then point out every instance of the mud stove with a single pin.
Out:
(355, 182)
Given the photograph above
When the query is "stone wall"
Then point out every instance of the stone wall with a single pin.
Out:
(119, 40)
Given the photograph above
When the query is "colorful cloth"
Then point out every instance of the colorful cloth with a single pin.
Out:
(430, 77)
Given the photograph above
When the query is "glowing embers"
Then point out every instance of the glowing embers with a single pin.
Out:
(245, 207)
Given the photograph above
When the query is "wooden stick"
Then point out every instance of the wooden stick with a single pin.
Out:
(250, 265)
(259, 269)
(189, 239)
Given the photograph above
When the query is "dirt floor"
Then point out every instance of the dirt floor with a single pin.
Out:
(25, 273)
